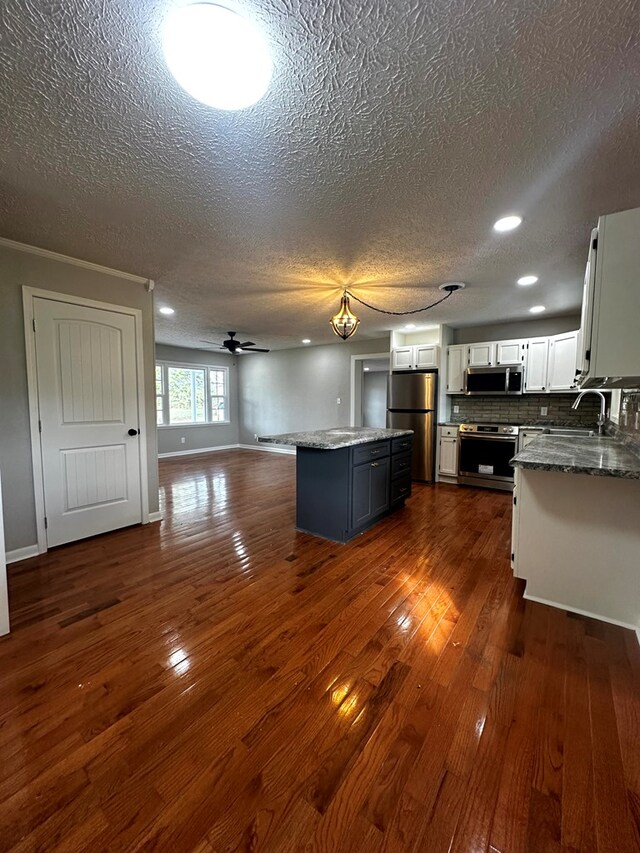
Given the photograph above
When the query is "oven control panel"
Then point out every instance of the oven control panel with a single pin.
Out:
(490, 429)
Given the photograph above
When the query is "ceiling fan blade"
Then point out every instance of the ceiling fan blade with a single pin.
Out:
(213, 343)
(247, 344)
(256, 349)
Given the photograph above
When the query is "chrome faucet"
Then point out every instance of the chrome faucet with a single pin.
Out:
(603, 407)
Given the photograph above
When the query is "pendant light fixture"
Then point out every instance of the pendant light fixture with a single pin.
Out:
(344, 323)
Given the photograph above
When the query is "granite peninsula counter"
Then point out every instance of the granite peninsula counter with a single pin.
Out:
(576, 525)
(348, 478)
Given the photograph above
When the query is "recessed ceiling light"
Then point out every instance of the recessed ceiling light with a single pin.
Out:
(410, 326)
(537, 309)
(166, 310)
(366, 368)
(507, 223)
(216, 55)
(528, 279)
(306, 341)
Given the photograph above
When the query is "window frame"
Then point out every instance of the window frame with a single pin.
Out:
(165, 365)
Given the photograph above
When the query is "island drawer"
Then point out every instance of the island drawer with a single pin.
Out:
(400, 489)
(402, 444)
(400, 465)
(368, 452)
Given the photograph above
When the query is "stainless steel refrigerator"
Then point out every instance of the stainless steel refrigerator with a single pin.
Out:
(411, 404)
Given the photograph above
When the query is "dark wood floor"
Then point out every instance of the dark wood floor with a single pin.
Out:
(219, 682)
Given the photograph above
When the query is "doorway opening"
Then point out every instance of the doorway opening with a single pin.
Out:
(369, 390)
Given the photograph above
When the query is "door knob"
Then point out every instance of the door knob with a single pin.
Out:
(133, 431)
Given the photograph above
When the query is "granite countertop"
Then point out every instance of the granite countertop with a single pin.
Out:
(333, 439)
(599, 456)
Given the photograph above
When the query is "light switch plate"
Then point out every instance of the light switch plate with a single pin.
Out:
(456, 410)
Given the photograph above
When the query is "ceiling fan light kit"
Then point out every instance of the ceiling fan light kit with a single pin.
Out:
(233, 346)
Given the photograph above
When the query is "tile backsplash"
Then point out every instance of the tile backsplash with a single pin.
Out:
(525, 409)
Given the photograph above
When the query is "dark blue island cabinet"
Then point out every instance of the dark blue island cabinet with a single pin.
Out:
(342, 492)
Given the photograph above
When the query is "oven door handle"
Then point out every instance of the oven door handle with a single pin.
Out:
(464, 436)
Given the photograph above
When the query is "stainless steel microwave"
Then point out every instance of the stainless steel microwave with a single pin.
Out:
(494, 380)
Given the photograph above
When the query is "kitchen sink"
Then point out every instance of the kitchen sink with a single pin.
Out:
(570, 432)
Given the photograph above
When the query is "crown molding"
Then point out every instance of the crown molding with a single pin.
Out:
(66, 259)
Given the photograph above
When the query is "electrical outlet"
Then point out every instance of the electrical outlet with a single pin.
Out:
(543, 411)
(182, 439)
(338, 400)
(456, 410)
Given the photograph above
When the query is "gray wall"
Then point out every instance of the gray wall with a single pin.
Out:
(523, 329)
(296, 389)
(374, 399)
(211, 435)
(17, 269)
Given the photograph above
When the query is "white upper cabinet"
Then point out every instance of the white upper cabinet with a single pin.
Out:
(456, 364)
(402, 358)
(426, 355)
(563, 351)
(537, 365)
(416, 357)
(609, 353)
(481, 355)
(510, 352)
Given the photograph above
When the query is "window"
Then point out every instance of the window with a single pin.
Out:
(189, 394)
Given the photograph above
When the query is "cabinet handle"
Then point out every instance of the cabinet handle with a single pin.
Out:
(375, 464)
(373, 452)
(403, 490)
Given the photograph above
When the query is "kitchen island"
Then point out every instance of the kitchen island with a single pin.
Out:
(576, 525)
(348, 478)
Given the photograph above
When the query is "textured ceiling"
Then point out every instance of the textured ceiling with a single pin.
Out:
(393, 135)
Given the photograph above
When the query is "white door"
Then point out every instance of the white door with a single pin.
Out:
(537, 363)
(455, 369)
(481, 355)
(88, 404)
(563, 354)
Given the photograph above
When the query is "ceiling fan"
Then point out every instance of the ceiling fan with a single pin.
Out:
(235, 346)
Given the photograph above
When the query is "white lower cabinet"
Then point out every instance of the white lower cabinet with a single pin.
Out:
(448, 446)
(527, 435)
(575, 541)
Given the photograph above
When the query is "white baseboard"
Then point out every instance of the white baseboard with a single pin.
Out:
(22, 554)
(197, 451)
(584, 613)
(155, 516)
(269, 448)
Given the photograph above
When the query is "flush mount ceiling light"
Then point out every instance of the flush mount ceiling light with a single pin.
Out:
(166, 310)
(507, 223)
(306, 340)
(217, 56)
(537, 309)
(528, 279)
(345, 322)
(409, 325)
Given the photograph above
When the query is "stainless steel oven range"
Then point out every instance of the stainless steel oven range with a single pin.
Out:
(485, 452)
